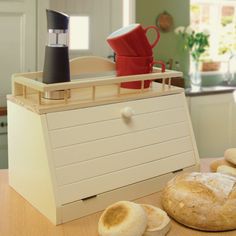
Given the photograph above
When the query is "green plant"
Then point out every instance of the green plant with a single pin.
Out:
(195, 42)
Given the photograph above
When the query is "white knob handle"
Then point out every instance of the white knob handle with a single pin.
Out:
(127, 112)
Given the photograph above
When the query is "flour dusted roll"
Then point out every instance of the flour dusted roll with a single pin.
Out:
(123, 218)
(215, 164)
(205, 201)
(230, 155)
(227, 170)
(158, 221)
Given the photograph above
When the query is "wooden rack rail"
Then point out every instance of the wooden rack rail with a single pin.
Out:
(28, 90)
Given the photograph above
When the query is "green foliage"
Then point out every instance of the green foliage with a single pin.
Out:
(195, 42)
(198, 44)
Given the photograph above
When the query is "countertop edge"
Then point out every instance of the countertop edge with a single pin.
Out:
(209, 91)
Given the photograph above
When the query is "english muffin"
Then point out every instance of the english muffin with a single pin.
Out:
(123, 218)
(158, 221)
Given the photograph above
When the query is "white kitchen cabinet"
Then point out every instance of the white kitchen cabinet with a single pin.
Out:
(213, 119)
(73, 157)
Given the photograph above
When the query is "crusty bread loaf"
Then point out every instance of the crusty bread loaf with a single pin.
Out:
(215, 164)
(158, 221)
(227, 170)
(205, 201)
(230, 155)
(123, 218)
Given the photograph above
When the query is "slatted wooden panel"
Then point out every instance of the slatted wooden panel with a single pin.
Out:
(131, 192)
(86, 188)
(98, 144)
(120, 161)
(76, 117)
(72, 154)
(99, 130)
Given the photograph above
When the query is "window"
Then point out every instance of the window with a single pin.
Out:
(219, 17)
(79, 33)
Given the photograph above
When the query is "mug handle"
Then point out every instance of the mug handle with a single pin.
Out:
(163, 66)
(158, 34)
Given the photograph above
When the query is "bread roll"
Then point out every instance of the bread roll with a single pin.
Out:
(205, 201)
(158, 221)
(215, 164)
(123, 218)
(227, 170)
(230, 155)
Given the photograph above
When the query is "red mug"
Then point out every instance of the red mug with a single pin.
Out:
(134, 66)
(132, 41)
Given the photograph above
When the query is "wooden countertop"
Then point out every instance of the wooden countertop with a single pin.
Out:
(211, 90)
(19, 218)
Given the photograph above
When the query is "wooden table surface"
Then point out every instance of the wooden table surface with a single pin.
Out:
(19, 218)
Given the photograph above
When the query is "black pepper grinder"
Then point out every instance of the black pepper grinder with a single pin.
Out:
(56, 63)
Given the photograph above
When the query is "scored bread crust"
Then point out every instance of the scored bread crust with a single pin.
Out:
(228, 170)
(215, 164)
(230, 155)
(205, 201)
(123, 218)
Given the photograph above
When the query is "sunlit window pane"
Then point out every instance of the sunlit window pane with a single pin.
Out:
(219, 17)
(79, 33)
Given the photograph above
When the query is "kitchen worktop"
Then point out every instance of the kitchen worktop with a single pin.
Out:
(19, 218)
(209, 90)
